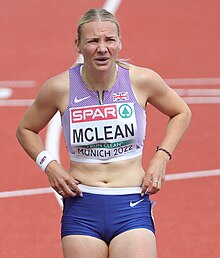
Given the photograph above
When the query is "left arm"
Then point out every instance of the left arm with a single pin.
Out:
(162, 97)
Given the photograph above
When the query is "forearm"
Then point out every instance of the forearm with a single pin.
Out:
(30, 141)
(175, 130)
(59, 179)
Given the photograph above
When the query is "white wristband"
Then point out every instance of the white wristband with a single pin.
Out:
(43, 159)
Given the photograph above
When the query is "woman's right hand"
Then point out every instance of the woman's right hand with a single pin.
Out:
(61, 181)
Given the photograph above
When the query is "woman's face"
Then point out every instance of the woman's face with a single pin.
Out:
(99, 44)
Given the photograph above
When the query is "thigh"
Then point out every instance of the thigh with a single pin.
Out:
(136, 243)
(84, 247)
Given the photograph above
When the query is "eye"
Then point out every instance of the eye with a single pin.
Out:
(111, 39)
(92, 40)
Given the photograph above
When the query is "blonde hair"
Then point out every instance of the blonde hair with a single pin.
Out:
(96, 15)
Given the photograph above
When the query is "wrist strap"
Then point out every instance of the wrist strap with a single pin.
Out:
(43, 159)
(165, 150)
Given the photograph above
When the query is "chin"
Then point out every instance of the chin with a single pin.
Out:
(103, 66)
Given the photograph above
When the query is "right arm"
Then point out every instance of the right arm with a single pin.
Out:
(51, 98)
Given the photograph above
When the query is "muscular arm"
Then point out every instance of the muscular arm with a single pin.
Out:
(35, 119)
(52, 97)
(151, 88)
(166, 100)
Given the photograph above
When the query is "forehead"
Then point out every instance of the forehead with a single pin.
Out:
(99, 28)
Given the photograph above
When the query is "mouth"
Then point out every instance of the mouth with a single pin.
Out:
(101, 60)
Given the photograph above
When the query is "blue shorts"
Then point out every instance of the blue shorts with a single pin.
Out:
(105, 213)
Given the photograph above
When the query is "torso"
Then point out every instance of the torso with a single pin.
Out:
(122, 173)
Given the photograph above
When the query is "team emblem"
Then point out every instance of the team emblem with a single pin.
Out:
(120, 96)
(125, 111)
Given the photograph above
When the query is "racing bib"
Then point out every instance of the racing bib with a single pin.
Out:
(104, 131)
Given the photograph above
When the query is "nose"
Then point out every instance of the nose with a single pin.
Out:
(102, 48)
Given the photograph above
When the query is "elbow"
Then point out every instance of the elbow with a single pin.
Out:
(184, 116)
(19, 133)
(189, 114)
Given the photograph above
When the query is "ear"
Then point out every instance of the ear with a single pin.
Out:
(120, 44)
(77, 44)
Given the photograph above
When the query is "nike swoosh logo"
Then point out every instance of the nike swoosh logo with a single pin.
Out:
(79, 100)
(132, 204)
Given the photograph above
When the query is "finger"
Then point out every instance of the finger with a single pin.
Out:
(154, 186)
(61, 192)
(144, 189)
(145, 184)
(57, 189)
(69, 192)
(69, 187)
(70, 195)
(76, 181)
(159, 184)
(75, 189)
(61, 187)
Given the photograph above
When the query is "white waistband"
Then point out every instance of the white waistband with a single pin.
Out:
(109, 191)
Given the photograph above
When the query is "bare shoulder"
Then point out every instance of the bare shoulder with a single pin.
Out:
(150, 87)
(57, 84)
(146, 83)
(54, 92)
(144, 77)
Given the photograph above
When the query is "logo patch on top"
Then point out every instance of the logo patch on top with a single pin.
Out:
(98, 113)
(120, 96)
(125, 111)
(76, 100)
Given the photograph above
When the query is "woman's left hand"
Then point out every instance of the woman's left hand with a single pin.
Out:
(155, 174)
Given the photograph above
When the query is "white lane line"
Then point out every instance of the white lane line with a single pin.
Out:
(193, 81)
(5, 93)
(15, 102)
(53, 133)
(169, 177)
(6, 87)
(112, 5)
(26, 192)
(198, 92)
(195, 174)
(18, 84)
(52, 143)
(201, 100)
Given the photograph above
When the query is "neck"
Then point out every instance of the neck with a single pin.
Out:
(99, 80)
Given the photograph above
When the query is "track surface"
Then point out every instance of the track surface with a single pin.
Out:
(178, 39)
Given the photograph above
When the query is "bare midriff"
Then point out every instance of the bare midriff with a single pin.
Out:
(127, 173)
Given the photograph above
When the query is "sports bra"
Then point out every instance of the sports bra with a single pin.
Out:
(108, 132)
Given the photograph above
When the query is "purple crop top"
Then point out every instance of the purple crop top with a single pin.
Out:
(108, 132)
